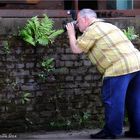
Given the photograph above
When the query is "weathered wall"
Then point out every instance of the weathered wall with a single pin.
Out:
(69, 98)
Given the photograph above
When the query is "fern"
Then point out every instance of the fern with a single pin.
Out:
(54, 35)
(39, 32)
(130, 33)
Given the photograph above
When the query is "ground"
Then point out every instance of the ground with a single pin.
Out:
(55, 135)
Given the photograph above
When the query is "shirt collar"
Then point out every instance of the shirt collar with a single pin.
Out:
(96, 20)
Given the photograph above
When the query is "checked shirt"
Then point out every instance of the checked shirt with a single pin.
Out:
(109, 49)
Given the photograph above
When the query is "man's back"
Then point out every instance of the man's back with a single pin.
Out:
(109, 49)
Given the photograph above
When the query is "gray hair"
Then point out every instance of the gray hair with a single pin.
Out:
(89, 13)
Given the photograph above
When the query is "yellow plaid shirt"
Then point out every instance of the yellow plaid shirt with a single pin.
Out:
(109, 49)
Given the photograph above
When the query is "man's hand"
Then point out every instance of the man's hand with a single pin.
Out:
(72, 38)
(70, 29)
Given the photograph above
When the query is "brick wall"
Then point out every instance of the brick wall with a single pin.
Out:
(69, 98)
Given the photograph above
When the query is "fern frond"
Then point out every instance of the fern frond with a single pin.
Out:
(43, 41)
(39, 31)
(46, 22)
(29, 40)
(55, 34)
(130, 33)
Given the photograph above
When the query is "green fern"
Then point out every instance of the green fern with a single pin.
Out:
(130, 33)
(47, 64)
(39, 32)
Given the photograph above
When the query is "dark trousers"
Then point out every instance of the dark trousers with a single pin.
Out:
(117, 93)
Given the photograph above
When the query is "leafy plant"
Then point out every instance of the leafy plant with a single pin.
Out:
(83, 118)
(60, 124)
(39, 31)
(25, 97)
(6, 47)
(47, 66)
(130, 33)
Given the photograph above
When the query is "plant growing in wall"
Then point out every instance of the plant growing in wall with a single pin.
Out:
(25, 97)
(39, 32)
(47, 66)
(6, 47)
(130, 33)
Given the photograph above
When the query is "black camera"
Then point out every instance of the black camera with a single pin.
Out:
(64, 23)
(73, 15)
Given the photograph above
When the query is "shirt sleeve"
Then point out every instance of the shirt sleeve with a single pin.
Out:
(86, 41)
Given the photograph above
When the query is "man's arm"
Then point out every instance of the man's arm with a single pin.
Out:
(72, 38)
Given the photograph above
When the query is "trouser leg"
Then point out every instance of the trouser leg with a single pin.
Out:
(133, 104)
(113, 95)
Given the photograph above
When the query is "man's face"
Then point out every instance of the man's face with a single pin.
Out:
(81, 23)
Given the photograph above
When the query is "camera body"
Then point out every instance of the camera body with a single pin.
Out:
(73, 15)
(65, 23)
(73, 21)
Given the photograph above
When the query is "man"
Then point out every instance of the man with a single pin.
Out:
(119, 62)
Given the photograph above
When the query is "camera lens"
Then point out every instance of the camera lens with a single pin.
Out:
(64, 23)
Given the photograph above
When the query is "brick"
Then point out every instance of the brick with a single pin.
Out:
(29, 65)
(88, 77)
(87, 63)
(69, 63)
(69, 57)
(78, 78)
(19, 66)
(69, 78)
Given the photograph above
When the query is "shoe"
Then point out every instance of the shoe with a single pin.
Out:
(102, 135)
(130, 134)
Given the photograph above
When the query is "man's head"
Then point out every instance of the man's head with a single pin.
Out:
(84, 18)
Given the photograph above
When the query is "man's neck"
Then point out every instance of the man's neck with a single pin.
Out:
(95, 20)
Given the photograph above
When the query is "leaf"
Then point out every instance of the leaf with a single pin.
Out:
(6, 47)
(43, 41)
(26, 94)
(39, 31)
(55, 34)
(30, 40)
(25, 97)
(47, 64)
(130, 33)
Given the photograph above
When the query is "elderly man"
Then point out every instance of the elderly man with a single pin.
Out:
(119, 63)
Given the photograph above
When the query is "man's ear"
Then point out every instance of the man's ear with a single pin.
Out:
(86, 21)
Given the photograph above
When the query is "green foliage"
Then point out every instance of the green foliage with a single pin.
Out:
(39, 32)
(25, 97)
(130, 33)
(126, 120)
(6, 47)
(83, 118)
(61, 124)
(77, 120)
(47, 65)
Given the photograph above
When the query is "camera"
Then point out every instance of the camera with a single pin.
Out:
(73, 15)
(64, 23)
